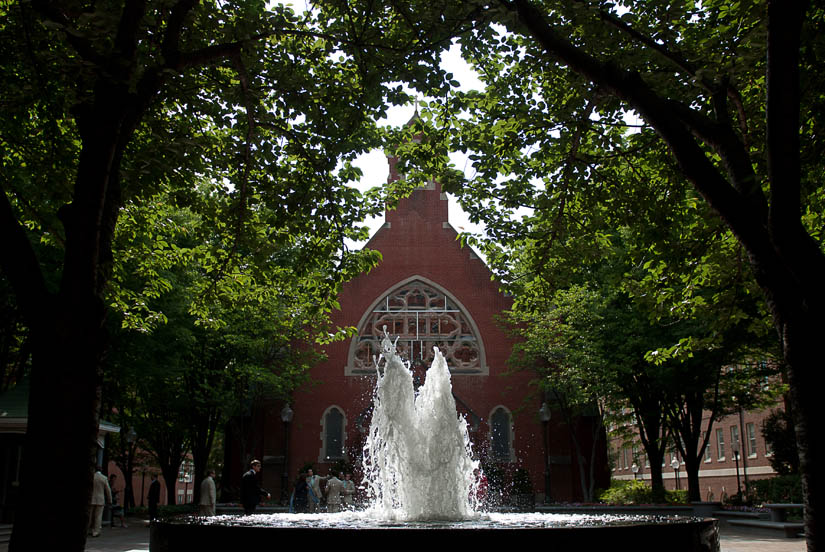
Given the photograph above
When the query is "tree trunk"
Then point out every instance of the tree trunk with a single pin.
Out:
(580, 460)
(803, 355)
(596, 436)
(67, 328)
(692, 465)
(694, 490)
(657, 484)
(62, 427)
(653, 435)
(170, 476)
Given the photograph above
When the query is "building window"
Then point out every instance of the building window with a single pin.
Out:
(333, 425)
(751, 431)
(421, 315)
(186, 472)
(501, 435)
(707, 447)
(720, 445)
(734, 439)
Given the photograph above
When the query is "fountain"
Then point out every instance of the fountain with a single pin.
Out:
(420, 477)
(418, 457)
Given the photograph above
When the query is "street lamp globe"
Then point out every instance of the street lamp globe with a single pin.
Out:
(286, 414)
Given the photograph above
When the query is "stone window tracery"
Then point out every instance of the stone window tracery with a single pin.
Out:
(421, 316)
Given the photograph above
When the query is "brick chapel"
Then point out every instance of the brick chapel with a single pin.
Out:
(428, 290)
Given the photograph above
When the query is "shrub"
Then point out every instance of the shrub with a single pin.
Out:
(778, 430)
(679, 496)
(627, 492)
(637, 492)
(782, 489)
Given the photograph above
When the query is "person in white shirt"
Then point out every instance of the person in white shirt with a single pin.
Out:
(208, 495)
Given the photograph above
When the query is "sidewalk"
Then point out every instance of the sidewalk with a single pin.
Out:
(135, 538)
(749, 539)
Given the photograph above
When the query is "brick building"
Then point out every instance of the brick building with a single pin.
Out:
(722, 474)
(429, 291)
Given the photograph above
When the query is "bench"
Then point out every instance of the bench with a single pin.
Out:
(736, 514)
(791, 529)
(779, 512)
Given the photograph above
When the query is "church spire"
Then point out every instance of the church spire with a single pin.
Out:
(426, 201)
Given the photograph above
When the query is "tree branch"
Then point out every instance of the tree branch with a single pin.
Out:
(19, 262)
(49, 11)
(784, 29)
(126, 38)
(673, 125)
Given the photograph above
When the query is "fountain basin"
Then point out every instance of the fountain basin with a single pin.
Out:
(553, 531)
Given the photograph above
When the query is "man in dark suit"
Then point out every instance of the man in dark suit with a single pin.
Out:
(154, 496)
(251, 492)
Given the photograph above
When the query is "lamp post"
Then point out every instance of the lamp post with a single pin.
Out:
(544, 416)
(129, 498)
(635, 469)
(675, 465)
(735, 448)
(142, 484)
(286, 417)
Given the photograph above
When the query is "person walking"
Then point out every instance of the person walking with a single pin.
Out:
(314, 491)
(154, 496)
(349, 491)
(334, 489)
(298, 502)
(101, 493)
(117, 509)
(251, 491)
(208, 495)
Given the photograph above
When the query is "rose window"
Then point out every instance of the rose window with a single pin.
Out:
(422, 317)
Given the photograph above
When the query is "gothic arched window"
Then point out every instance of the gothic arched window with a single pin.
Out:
(421, 315)
(501, 435)
(333, 423)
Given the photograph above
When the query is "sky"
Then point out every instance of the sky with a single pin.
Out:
(374, 164)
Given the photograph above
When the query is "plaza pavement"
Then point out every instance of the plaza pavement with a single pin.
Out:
(135, 538)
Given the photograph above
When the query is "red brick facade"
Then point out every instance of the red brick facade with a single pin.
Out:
(718, 473)
(421, 255)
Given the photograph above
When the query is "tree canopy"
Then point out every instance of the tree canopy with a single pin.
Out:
(116, 104)
(728, 92)
(247, 115)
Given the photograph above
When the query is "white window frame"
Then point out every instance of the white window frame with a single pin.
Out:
(750, 430)
(720, 444)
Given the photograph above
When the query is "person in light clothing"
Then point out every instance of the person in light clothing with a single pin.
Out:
(334, 489)
(314, 491)
(208, 495)
(101, 494)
